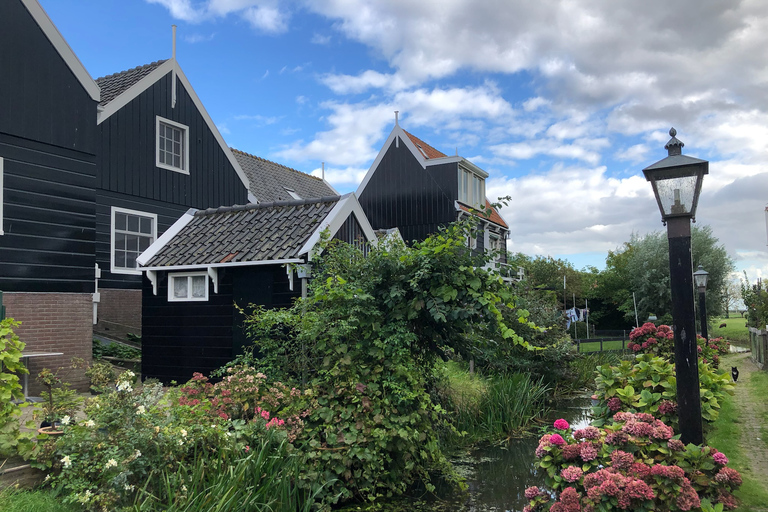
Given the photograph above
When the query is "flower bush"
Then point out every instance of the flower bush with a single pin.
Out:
(649, 386)
(710, 350)
(11, 438)
(634, 464)
(650, 339)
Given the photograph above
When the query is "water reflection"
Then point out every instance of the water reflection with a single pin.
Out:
(498, 476)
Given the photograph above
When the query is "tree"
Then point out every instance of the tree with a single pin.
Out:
(731, 295)
(642, 267)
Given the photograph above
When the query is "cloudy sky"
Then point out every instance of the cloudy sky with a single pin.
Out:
(562, 102)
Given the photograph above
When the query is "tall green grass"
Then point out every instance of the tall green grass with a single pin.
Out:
(583, 370)
(261, 480)
(501, 407)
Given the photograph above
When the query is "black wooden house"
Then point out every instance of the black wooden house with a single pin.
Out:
(210, 260)
(416, 188)
(159, 154)
(48, 148)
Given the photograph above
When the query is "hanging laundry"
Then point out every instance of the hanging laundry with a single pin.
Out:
(571, 316)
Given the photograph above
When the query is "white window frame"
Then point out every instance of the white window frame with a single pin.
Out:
(471, 188)
(188, 276)
(117, 209)
(2, 199)
(184, 169)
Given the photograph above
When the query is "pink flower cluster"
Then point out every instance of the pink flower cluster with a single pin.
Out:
(590, 433)
(569, 501)
(667, 407)
(571, 473)
(614, 404)
(622, 460)
(630, 492)
(719, 458)
(643, 425)
(561, 424)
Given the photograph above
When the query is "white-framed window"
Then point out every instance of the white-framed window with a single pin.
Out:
(471, 188)
(192, 286)
(172, 141)
(132, 233)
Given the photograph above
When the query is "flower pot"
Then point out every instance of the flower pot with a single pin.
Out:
(51, 431)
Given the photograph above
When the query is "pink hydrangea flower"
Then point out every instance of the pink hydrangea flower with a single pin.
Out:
(590, 433)
(557, 440)
(720, 458)
(621, 459)
(614, 404)
(588, 452)
(571, 473)
(675, 445)
(561, 424)
(571, 451)
(532, 492)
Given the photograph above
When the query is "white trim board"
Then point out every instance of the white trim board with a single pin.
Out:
(334, 220)
(184, 169)
(145, 83)
(64, 50)
(166, 237)
(172, 268)
(113, 210)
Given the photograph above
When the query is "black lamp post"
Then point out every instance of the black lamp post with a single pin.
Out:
(700, 280)
(676, 182)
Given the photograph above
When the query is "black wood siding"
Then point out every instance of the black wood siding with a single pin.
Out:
(180, 338)
(48, 210)
(129, 178)
(47, 143)
(352, 233)
(402, 194)
(40, 97)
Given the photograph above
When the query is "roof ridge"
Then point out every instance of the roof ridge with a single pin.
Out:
(260, 206)
(275, 163)
(155, 63)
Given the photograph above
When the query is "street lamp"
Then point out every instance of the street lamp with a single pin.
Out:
(700, 280)
(676, 182)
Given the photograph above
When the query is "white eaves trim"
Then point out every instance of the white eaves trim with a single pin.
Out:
(145, 83)
(166, 237)
(61, 46)
(398, 132)
(200, 266)
(334, 220)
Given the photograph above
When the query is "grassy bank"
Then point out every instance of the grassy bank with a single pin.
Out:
(725, 434)
(735, 329)
(20, 500)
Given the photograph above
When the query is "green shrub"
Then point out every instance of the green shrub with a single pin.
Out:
(649, 386)
(634, 464)
(11, 439)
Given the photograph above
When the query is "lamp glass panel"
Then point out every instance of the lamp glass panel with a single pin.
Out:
(676, 194)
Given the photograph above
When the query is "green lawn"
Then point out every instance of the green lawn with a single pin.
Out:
(734, 331)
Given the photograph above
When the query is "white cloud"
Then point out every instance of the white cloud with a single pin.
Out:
(267, 18)
(181, 9)
(199, 38)
(320, 39)
(348, 176)
(264, 15)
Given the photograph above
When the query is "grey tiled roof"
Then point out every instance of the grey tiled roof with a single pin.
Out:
(114, 85)
(269, 180)
(254, 232)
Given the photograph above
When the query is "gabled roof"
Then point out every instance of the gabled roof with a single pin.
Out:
(114, 85)
(426, 156)
(277, 232)
(125, 86)
(61, 46)
(271, 181)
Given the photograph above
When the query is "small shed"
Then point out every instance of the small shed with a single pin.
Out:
(211, 260)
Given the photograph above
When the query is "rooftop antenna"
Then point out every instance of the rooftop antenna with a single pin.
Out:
(173, 73)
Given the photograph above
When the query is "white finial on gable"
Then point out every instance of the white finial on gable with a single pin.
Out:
(173, 73)
(396, 116)
(322, 173)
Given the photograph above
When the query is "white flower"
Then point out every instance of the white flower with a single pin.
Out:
(140, 410)
(90, 423)
(65, 420)
(124, 386)
(128, 374)
(128, 487)
(137, 454)
(47, 477)
(67, 461)
(181, 443)
(183, 488)
(183, 433)
(110, 463)
(86, 497)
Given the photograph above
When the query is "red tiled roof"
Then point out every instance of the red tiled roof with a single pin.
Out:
(427, 150)
(495, 217)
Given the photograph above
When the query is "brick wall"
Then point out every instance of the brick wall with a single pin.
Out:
(54, 322)
(119, 313)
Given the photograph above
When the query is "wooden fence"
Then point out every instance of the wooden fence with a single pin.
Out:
(759, 341)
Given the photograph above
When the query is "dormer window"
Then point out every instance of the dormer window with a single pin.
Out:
(471, 188)
(292, 193)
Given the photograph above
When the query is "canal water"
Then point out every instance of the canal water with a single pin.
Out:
(497, 476)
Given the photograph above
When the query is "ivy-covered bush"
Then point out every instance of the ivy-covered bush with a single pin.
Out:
(634, 464)
(649, 385)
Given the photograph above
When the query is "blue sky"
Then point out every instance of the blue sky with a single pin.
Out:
(563, 103)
